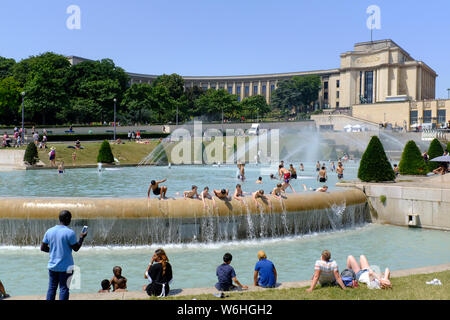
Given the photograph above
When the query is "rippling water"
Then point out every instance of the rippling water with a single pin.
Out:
(23, 270)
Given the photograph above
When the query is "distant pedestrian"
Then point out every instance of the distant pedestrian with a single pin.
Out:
(59, 242)
(129, 135)
(52, 157)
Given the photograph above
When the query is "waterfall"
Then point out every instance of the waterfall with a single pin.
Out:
(210, 228)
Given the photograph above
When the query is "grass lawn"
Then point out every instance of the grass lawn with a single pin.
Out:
(403, 288)
(128, 153)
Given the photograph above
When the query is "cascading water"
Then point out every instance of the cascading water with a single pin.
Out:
(211, 228)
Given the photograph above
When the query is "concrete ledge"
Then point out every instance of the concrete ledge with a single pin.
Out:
(198, 291)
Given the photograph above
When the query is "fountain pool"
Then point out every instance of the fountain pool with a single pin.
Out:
(23, 269)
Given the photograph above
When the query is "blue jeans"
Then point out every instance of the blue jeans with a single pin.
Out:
(61, 279)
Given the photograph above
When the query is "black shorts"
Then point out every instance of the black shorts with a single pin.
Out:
(294, 176)
(322, 180)
(157, 191)
(340, 175)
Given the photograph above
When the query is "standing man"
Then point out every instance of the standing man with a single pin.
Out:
(59, 241)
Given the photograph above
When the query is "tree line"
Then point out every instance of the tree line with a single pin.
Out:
(55, 92)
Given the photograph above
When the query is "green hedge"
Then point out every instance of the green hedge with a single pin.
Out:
(31, 156)
(435, 150)
(101, 136)
(105, 153)
(374, 165)
(412, 162)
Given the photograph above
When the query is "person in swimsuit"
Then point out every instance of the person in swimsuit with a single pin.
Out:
(191, 194)
(322, 176)
(302, 168)
(323, 189)
(241, 174)
(272, 176)
(340, 171)
(276, 192)
(259, 180)
(221, 194)
(332, 166)
(157, 190)
(318, 166)
(61, 167)
(205, 195)
(238, 193)
(284, 173)
(292, 171)
(260, 194)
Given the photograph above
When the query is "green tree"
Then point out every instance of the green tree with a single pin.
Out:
(92, 86)
(299, 92)
(214, 102)
(43, 80)
(9, 100)
(162, 104)
(188, 100)
(374, 165)
(31, 156)
(6, 67)
(412, 162)
(255, 106)
(138, 100)
(174, 83)
(435, 150)
(105, 154)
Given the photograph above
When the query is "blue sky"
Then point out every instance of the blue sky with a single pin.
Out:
(211, 37)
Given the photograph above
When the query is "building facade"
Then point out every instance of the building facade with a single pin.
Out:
(379, 74)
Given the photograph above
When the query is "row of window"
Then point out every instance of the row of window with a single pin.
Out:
(246, 89)
(325, 84)
(427, 118)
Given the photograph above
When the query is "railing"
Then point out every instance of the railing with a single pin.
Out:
(430, 134)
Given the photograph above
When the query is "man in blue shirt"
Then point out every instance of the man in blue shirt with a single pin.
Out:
(59, 241)
(226, 275)
(265, 273)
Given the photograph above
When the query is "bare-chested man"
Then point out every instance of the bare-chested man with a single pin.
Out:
(221, 194)
(205, 195)
(191, 194)
(157, 190)
(260, 194)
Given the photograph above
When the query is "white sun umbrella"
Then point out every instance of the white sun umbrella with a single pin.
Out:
(441, 159)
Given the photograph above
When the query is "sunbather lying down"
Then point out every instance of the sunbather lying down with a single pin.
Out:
(366, 275)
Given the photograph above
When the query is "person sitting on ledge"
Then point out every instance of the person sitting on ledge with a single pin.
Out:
(191, 194)
(238, 193)
(205, 195)
(441, 170)
(265, 274)
(221, 194)
(326, 272)
(226, 275)
(366, 275)
(106, 286)
(157, 190)
(276, 192)
(260, 194)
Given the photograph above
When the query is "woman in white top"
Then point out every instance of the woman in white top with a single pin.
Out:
(366, 275)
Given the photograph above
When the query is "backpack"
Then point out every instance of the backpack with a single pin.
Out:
(348, 277)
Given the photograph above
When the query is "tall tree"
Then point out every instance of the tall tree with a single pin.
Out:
(10, 99)
(174, 83)
(138, 100)
(255, 106)
(214, 102)
(43, 78)
(6, 67)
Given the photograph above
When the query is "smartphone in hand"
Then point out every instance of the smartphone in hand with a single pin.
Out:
(84, 230)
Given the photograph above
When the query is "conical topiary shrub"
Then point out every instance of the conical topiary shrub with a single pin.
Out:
(435, 150)
(31, 156)
(105, 154)
(374, 165)
(412, 162)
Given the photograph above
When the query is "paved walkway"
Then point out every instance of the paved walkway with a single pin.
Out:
(197, 291)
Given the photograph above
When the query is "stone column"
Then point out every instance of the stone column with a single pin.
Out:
(259, 87)
(268, 91)
(242, 90)
(250, 89)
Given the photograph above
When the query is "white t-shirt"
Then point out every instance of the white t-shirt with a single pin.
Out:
(371, 284)
(326, 271)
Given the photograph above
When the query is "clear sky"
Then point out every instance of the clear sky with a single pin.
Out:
(228, 37)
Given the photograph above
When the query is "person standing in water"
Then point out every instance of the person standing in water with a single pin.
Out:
(302, 168)
(340, 171)
(157, 190)
(322, 176)
(318, 166)
(241, 174)
(61, 167)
